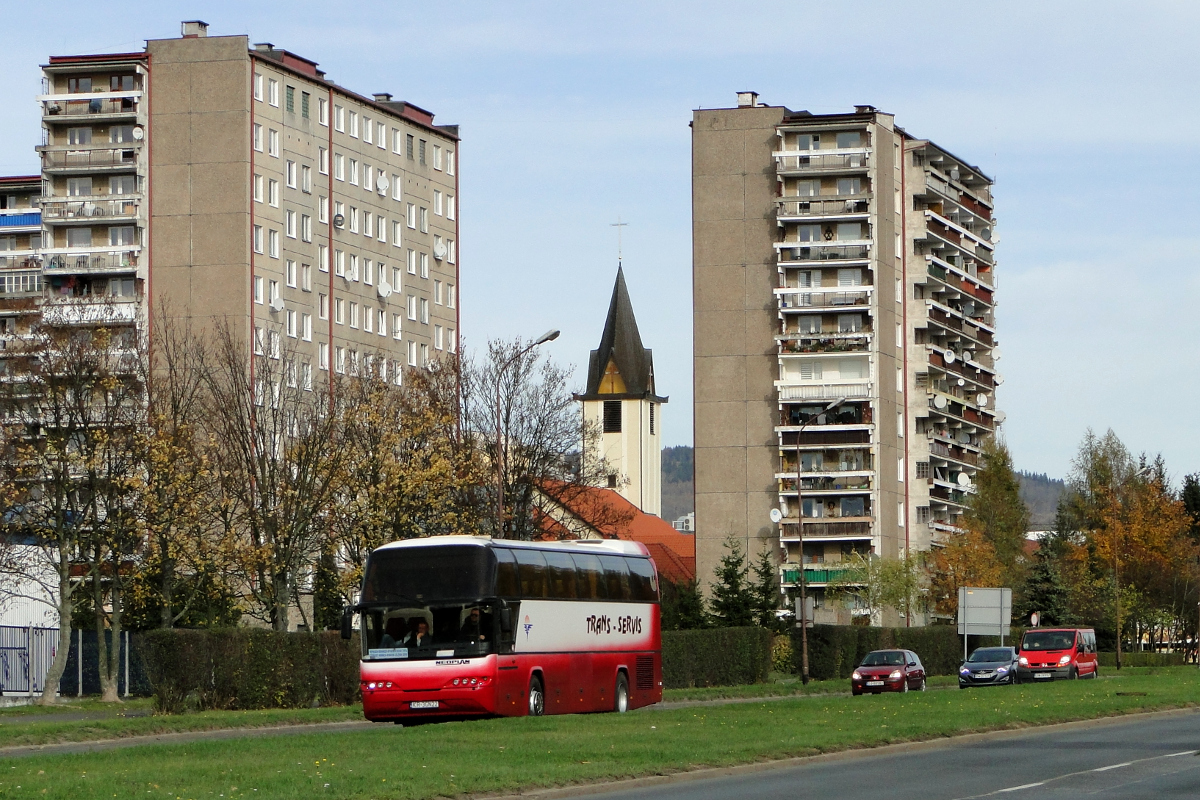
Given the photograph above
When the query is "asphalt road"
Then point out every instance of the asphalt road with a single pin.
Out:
(1154, 756)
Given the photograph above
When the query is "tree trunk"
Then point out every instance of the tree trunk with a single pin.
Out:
(112, 692)
(280, 599)
(65, 607)
(108, 688)
(168, 585)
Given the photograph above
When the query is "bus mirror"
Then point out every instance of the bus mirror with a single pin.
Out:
(506, 625)
(347, 622)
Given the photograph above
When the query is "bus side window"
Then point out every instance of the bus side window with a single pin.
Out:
(591, 577)
(532, 569)
(507, 584)
(642, 576)
(616, 575)
(562, 575)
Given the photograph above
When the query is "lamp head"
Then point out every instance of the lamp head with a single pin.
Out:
(548, 336)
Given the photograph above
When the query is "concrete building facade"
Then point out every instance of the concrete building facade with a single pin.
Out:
(843, 276)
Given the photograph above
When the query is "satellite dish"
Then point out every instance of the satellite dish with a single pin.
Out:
(339, 221)
(962, 382)
(999, 379)
(382, 183)
(948, 356)
(939, 401)
(967, 355)
(139, 133)
(964, 437)
(439, 250)
(384, 289)
(1001, 416)
(981, 400)
(277, 304)
(776, 515)
(964, 480)
(995, 353)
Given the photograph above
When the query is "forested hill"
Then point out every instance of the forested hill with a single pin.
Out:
(678, 491)
(1040, 494)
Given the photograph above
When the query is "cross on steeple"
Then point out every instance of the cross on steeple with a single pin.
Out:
(618, 225)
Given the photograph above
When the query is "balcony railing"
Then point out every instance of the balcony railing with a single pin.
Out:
(121, 261)
(808, 298)
(94, 310)
(791, 576)
(30, 218)
(84, 159)
(814, 207)
(812, 438)
(826, 343)
(21, 262)
(813, 161)
(813, 251)
(831, 391)
(70, 209)
(91, 107)
(958, 454)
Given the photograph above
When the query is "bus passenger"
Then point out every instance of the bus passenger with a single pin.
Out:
(419, 638)
(393, 633)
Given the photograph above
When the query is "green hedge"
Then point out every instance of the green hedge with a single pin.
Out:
(715, 657)
(835, 650)
(1142, 659)
(244, 668)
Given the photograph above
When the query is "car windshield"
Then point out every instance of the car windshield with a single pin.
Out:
(422, 632)
(991, 654)
(885, 658)
(1048, 640)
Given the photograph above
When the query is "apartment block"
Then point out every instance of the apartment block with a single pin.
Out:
(844, 335)
(219, 181)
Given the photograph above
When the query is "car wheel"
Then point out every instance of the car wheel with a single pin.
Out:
(904, 684)
(537, 697)
(922, 685)
(1073, 675)
(621, 704)
(855, 692)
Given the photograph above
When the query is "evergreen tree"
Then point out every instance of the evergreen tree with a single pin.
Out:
(733, 600)
(327, 599)
(997, 509)
(1045, 592)
(766, 590)
(682, 606)
(1190, 495)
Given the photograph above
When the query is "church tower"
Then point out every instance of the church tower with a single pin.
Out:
(621, 401)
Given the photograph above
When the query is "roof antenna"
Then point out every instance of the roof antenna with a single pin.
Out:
(618, 225)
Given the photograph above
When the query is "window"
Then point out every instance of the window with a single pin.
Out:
(79, 136)
(289, 273)
(450, 207)
(368, 177)
(367, 224)
(396, 138)
(258, 341)
(449, 162)
(289, 173)
(323, 210)
(849, 323)
(322, 258)
(811, 370)
(451, 295)
(79, 187)
(340, 359)
(305, 98)
(306, 277)
(850, 277)
(381, 130)
(421, 152)
(353, 124)
(412, 262)
(397, 227)
(852, 368)
(368, 320)
(292, 324)
(408, 147)
(258, 289)
(808, 142)
(808, 188)
(922, 470)
(369, 272)
(397, 279)
(437, 202)
(258, 238)
(122, 235)
(412, 216)
(412, 352)
(339, 118)
(322, 160)
(119, 184)
(339, 167)
(652, 419)
(353, 314)
(79, 85)
(451, 251)
(258, 87)
(367, 130)
(258, 188)
(424, 220)
(451, 341)
(339, 263)
(272, 291)
(352, 168)
(848, 139)
(79, 237)
(353, 271)
(273, 344)
(437, 293)
(412, 307)
(397, 325)
(322, 111)
(273, 143)
(352, 217)
(273, 192)
(289, 223)
(339, 311)
(289, 99)
(323, 356)
(322, 306)
(437, 157)
(853, 506)
(424, 265)
(339, 210)
(273, 243)
(258, 137)
(306, 227)
(273, 92)
(397, 188)
(437, 243)
(612, 416)
(381, 316)
(306, 327)
(306, 376)
(849, 186)
(849, 231)
(922, 515)
(424, 355)
(438, 338)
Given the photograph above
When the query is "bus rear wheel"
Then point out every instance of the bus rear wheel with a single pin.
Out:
(621, 704)
(537, 697)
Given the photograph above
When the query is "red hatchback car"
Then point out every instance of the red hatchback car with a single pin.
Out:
(888, 671)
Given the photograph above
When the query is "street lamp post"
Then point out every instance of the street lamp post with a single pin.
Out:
(800, 527)
(548, 336)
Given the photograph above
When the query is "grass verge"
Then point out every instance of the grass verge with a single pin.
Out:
(512, 754)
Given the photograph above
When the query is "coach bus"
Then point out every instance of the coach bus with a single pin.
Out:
(465, 626)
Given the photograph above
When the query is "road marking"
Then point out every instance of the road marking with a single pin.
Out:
(1019, 788)
(1112, 766)
(1074, 774)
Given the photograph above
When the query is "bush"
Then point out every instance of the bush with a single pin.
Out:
(244, 668)
(715, 657)
(1137, 659)
(835, 650)
(781, 654)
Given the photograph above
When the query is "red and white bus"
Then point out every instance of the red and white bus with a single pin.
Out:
(463, 626)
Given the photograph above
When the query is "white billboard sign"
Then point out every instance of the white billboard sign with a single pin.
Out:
(984, 612)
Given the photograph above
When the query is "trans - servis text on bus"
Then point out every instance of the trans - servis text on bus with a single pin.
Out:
(461, 626)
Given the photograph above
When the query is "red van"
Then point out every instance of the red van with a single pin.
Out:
(1050, 653)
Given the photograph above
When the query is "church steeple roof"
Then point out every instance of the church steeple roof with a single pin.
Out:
(621, 368)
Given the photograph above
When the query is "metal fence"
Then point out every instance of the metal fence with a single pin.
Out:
(25, 657)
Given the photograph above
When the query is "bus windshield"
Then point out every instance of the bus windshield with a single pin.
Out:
(432, 631)
(421, 576)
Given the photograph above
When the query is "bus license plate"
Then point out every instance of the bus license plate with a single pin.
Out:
(1043, 675)
(423, 704)
(874, 683)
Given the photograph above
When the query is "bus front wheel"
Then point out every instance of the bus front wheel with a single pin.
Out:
(622, 694)
(537, 697)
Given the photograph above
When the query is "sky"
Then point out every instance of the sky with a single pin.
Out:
(573, 117)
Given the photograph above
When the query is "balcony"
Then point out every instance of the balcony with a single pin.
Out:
(77, 159)
(947, 320)
(20, 220)
(824, 391)
(960, 280)
(26, 259)
(84, 210)
(800, 343)
(840, 207)
(98, 106)
(950, 406)
(940, 450)
(812, 576)
(815, 438)
(793, 252)
(816, 299)
(94, 310)
(813, 161)
(70, 262)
